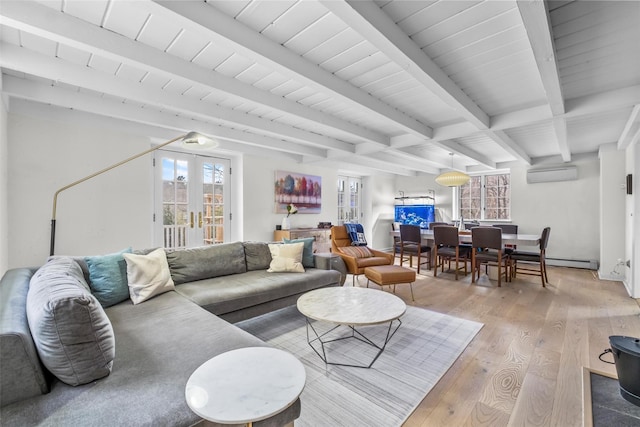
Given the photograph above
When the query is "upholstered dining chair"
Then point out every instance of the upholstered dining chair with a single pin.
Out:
(532, 258)
(436, 224)
(356, 258)
(447, 248)
(487, 249)
(396, 240)
(508, 229)
(411, 244)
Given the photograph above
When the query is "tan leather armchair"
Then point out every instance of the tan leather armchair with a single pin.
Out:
(356, 258)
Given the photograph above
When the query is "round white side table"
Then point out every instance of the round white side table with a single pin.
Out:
(245, 385)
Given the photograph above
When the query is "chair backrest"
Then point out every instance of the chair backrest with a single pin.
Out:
(544, 238)
(446, 235)
(486, 237)
(356, 233)
(436, 224)
(339, 237)
(410, 233)
(507, 228)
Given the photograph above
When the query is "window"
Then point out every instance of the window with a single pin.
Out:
(348, 199)
(486, 197)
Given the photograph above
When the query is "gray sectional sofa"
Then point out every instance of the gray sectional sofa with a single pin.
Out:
(154, 345)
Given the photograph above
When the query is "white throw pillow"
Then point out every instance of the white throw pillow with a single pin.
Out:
(286, 258)
(148, 275)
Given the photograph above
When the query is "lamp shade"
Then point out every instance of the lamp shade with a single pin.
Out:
(452, 179)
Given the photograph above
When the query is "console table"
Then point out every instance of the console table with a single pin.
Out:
(322, 237)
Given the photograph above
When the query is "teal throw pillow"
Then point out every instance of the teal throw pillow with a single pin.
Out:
(108, 278)
(307, 252)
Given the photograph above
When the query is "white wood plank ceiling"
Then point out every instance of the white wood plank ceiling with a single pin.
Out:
(367, 86)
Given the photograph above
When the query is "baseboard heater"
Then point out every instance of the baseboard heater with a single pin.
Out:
(591, 264)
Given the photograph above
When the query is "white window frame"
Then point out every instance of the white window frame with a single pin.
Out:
(457, 206)
(349, 202)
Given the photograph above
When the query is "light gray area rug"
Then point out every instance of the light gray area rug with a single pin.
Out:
(417, 356)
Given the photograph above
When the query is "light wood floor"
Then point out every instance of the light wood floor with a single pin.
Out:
(524, 368)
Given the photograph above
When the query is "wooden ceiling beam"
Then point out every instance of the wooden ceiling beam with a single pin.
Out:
(631, 132)
(223, 28)
(537, 23)
(68, 30)
(55, 69)
(164, 131)
(378, 28)
(54, 95)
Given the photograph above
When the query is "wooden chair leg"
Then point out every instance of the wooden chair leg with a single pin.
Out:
(473, 267)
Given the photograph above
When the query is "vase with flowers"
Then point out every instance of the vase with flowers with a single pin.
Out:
(291, 210)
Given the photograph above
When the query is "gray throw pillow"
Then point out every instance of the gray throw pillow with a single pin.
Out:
(257, 255)
(205, 262)
(72, 333)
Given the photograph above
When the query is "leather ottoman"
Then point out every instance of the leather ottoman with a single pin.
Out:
(387, 275)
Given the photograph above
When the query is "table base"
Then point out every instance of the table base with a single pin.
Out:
(355, 334)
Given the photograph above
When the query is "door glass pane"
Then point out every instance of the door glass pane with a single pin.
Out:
(213, 203)
(182, 181)
(175, 188)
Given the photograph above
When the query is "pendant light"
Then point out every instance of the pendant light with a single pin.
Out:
(453, 178)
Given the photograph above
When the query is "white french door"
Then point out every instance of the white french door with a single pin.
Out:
(191, 200)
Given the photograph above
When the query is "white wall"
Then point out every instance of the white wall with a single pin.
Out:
(632, 220)
(612, 212)
(102, 215)
(570, 208)
(4, 188)
(112, 212)
(377, 206)
(260, 219)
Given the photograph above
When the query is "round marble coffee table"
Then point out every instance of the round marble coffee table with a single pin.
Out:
(350, 307)
(245, 385)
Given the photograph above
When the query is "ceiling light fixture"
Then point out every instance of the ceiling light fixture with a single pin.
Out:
(453, 178)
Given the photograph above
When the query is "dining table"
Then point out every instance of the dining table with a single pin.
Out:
(465, 237)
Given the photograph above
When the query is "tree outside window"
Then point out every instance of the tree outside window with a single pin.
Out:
(486, 197)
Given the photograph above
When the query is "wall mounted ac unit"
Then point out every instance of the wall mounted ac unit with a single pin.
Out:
(563, 173)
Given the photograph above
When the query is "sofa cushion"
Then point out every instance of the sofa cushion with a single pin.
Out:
(223, 295)
(307, 254)
(356, 251)
(148, 275)
(79, 259)
(72, 333)
(151, 369)
(108, 277)
(188, 265)
(21, 372)
(286, 258)
(257, 255)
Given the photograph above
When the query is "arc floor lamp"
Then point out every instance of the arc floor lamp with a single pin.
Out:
(191, 139)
